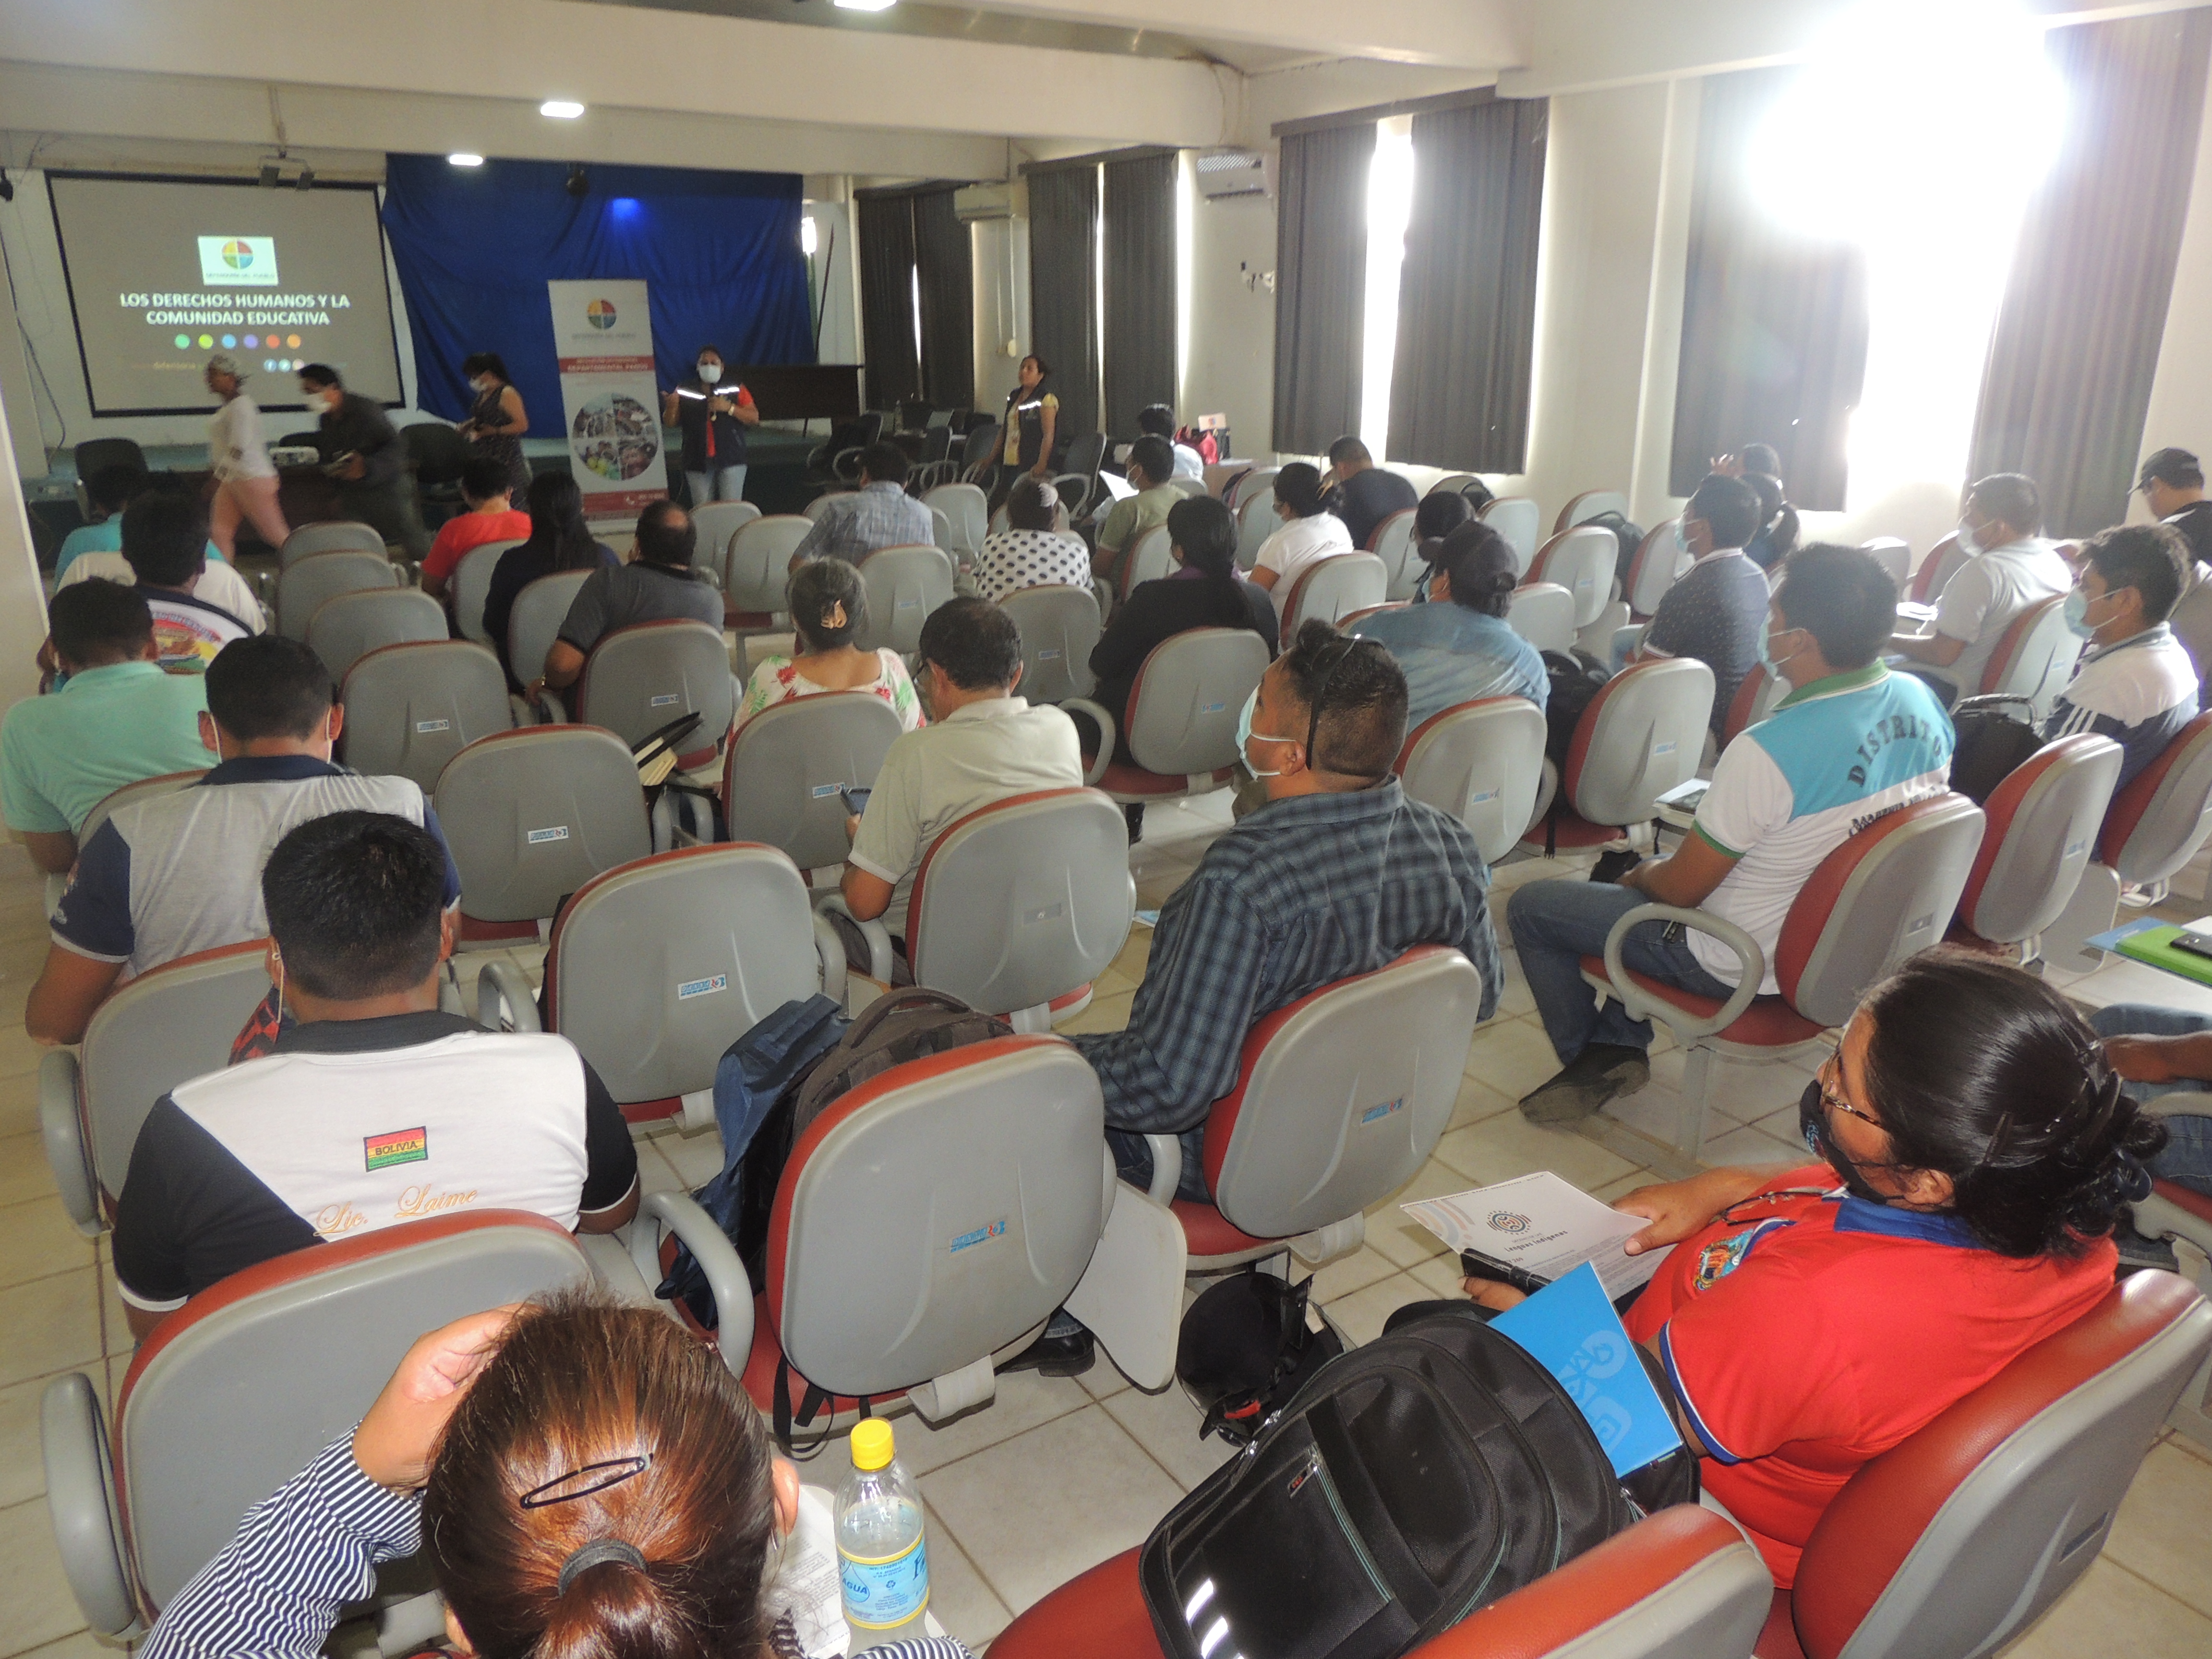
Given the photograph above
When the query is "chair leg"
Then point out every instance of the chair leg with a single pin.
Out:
(1696, 1101)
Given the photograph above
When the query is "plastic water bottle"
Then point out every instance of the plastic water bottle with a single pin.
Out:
(882, 1559)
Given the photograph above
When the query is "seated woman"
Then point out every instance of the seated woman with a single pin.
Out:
(560, 539)
(828, 607)
(1459, 646)
(1029, 552)
(1311, 530)
(584, 1478)
(1436, 518)
(1985, 1151)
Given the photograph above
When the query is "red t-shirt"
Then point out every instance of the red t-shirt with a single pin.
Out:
(456, 536)
(1808, 1334)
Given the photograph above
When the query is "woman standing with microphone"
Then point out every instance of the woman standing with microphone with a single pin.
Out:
(245, 477)
(713, 419)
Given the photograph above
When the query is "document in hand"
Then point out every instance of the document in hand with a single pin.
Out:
(1542, 1225)
(1571, 1330)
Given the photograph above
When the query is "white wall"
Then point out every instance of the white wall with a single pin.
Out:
(1000, 248)
(22, 599)
(2181, 392)
(1230, 367)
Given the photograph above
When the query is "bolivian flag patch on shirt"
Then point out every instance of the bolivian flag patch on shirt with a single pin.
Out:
(400, 1146)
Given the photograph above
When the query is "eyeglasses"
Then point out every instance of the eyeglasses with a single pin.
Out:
(1832, 1099)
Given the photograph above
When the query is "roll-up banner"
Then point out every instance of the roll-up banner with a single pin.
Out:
(609, 396)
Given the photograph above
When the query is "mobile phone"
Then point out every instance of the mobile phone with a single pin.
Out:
(1475, 1265)
(2198, 944)
(856, 800)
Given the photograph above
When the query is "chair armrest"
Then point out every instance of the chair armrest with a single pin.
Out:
(1167, 1167)
(498, 980)
(830, 950)
(2180, 1103)
(551, 709)
(878, 935)
(1639, 1006)
(1107, 736)
(678, 1213)
(80, 1503)
(63, 1134)
(713, 577)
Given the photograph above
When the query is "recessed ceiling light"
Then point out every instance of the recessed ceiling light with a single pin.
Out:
(560, 109)
(866, 5)
(462, 158)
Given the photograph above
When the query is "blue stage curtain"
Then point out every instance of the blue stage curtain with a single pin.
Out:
(475, 247)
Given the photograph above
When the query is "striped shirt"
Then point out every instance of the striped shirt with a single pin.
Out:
(2139, 692)
(882, 515)
(307, 1552)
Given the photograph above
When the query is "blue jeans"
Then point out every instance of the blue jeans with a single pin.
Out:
(724, 484)
(2187, 1159)
(1555, 924)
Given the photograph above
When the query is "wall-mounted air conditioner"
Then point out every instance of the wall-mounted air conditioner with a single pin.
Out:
(982, 203)
(1226, 173)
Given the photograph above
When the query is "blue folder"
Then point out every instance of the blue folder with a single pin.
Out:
(1570, 1329)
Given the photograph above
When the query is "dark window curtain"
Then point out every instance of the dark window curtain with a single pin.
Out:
(1321, 286)
(1140, 288)
(887, 239)
(2068, 381)
(1466, 300)
(1064, 289)
(945, 255)
(1774, 325)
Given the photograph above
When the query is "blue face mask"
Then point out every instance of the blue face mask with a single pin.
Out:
(1766, 657)
(1245, 735)
(1681, 540)
(2076, 609)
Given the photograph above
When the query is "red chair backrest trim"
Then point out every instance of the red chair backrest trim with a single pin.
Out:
(729, 769)
(857, 1100)
(1873, 1523)
(1221, 1117)
(921, 869)
(2005, 800)
(1375, 536)
(690, 757)
(1414, 738)
(1924, 579)
(1816, 900)
(2000, 659)
(2131, 802)
(406, 645)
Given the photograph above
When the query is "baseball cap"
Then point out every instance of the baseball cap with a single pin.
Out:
(223, 363)
(2177, 467)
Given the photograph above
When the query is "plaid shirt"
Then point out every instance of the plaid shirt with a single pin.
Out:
(1306, 891)
(881, 515)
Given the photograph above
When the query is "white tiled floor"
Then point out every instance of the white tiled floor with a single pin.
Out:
(1057, 1476)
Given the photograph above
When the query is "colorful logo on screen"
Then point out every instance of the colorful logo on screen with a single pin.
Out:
(600, 313)
(238, 261)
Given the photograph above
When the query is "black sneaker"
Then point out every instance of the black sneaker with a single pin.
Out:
(1133, 815)
(1057, 1355)
(1602, 1072)
(1611, 866)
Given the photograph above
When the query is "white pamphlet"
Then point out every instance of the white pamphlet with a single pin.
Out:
(1542, 1225)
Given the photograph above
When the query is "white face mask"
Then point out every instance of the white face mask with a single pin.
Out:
(483, 384)
(710, 373)
(1969, 543)
(320, 401)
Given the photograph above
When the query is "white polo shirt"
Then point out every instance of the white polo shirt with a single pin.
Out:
(981, 752)
(1986, 593)
(1299, 546)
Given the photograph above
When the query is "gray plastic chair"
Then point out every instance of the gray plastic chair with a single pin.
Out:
(306, 588)
(1023, 902)
(171, 1024)
(715, 523)
(1517, 519)
(472, 585)
(1341, 1098)
(815, 508)
(1580, 559)
(1658, 566)
(757, 569)
(1060, 627)
(1333, 589)
(105, 807)
(2153, 826)
(1255, 480)
(337, 536)
(1542, 613)
(1393, 544)
(1151, 558)
(1481, 762)
(2043, 822)
(1581, 509)
(1451, 484)
(241, 1387)
(1894, 554)
(904, 584)
(1255, 522)
(1647, 733)
(535, 622)
(410, 708)
(786, 765)
(1181, 713)
(1936, 571)
(347, 628)
(2035, 657)
(639, 678)
(655, 968)
(534, 814)
(968, 509)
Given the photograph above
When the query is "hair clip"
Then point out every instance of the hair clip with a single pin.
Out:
(610, 1473)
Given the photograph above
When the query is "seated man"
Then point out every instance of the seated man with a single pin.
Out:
(658, 585)
(109, 490)
(376, 1107)
(1368, 493)
(116, 718)
(181, 872)
(1850, 741)
(2172, 487)
(982, 744)
(1152, 465)
(2135, 684)
(165, 544)
(1338, 874)
(363, 451)
(879, 514)
(2009, 568)
(1158, 420)
(1716, 612)
(492, 517)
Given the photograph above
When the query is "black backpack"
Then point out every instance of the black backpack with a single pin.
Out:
(1992, 740)
(1630, 536)
(1409, 1482)
(1575, 680)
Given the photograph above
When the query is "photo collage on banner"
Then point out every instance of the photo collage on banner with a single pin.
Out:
(610, 396)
